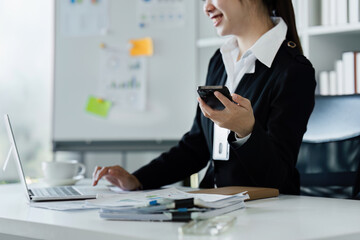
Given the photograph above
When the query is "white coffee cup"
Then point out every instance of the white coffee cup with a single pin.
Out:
(60, 170)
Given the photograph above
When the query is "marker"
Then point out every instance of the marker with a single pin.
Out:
(175, 204)
(160, 202)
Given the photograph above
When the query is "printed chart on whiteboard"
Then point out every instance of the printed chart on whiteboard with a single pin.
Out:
(84, 17)
(123, 80)
(161, 13)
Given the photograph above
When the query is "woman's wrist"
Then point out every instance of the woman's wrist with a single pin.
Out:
(241, 137)
(137, 183)
(244, 132)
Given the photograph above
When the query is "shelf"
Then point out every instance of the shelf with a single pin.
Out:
(326, 30)
(311, 31)
(338, 96)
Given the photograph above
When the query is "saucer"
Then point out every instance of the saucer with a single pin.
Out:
(63, 182)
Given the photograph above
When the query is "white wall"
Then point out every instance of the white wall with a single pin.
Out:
(26, 65)
(26, 77)
(26, 48)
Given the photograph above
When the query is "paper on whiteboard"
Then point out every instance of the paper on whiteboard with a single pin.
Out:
(159, 13)
(84, 17)
(122, 80)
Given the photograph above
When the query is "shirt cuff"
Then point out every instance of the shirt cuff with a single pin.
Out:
(240, 141)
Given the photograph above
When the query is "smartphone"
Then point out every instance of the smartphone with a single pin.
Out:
(207, 94)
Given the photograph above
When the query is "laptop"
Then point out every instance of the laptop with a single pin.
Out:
(48, 193)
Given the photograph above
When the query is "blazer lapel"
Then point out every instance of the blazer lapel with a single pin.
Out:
(259, 69)
(223, 78)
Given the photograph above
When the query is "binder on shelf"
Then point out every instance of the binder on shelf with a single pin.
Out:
(253, 192)
(354, 11)
(341, 12)
(300, 16)
(333, 12)
(332, 83)
(339, 77)
(350, 74)
(325, 12)
(324, 83)
(313, 10)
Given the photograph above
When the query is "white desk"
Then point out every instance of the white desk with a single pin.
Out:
(285, 217)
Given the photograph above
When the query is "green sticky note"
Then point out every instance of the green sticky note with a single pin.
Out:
(98, 106)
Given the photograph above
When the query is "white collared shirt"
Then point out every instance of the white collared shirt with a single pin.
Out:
(264, 50)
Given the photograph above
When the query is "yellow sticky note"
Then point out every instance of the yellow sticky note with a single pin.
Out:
(98, 106)
(142, 47)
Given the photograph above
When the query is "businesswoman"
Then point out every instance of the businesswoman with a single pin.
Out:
(255, 140)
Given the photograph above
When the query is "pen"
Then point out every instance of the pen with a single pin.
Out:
(175, 204)
(182, 216)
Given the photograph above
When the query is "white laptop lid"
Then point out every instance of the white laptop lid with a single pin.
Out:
(17, 157)
(85, 193)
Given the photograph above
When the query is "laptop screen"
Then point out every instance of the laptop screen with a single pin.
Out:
(16, 153)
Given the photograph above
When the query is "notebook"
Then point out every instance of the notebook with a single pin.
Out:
(48, 193)
(253, 192)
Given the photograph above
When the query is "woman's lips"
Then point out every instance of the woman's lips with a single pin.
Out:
(217, 20)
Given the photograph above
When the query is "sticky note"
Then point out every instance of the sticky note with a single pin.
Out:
(142, 47)
(98, 106)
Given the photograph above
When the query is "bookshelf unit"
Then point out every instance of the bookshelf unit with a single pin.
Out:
(324, 44)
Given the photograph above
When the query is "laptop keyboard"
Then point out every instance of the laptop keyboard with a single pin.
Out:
(55, 192)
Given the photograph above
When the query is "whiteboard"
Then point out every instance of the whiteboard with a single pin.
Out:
(171, 78)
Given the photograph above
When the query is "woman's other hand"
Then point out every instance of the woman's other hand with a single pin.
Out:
(117, 176)
(237, 116)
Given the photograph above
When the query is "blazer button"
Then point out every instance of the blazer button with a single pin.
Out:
(291, 44)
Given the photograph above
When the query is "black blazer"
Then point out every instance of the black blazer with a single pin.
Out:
(282, 98)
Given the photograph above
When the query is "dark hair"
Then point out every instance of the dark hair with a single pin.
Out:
(285, 10)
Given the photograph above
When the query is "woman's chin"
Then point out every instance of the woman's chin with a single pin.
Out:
(221, 32)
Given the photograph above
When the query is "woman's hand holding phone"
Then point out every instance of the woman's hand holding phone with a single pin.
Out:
(237, 115)
(207, 94)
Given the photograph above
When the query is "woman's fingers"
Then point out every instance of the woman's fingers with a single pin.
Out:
(241, 101)
(97, 168)
(207, 111)
(117, 176)
(99, 173)
(113, 180)
(224, 100)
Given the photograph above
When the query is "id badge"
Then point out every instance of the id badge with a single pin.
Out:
(221, 147)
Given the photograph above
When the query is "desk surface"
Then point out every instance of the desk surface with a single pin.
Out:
(284, 217)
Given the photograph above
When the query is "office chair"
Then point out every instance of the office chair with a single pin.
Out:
(329, 155)
(356, 192)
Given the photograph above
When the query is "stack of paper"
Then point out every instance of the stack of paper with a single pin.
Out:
(167, 205)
